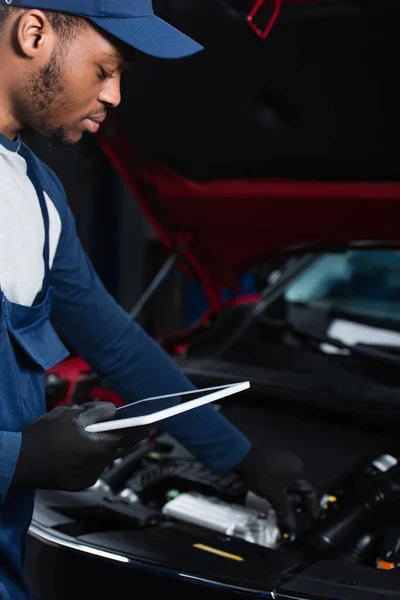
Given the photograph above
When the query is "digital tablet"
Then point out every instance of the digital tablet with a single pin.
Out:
(158, 408)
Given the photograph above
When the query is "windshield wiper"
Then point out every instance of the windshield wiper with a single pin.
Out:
(361, 350)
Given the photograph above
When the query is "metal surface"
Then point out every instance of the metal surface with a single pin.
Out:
(60, 541)
(157, 281)
(232, 520)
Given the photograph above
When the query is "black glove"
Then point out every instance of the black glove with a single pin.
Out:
(57, 453)
(130, 436)
(274, 476)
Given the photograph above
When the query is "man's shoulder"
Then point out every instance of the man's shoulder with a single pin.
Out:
(47, 178)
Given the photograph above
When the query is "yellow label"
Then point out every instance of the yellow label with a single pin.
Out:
(218, 552)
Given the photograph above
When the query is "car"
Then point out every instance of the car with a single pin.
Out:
(322, 356)
(294, 178)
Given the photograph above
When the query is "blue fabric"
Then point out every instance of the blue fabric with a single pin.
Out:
(4, 595)
(28, 345)
(10, 444)
(94, 8)
(131, 21)
(150, 35)
(10, 145)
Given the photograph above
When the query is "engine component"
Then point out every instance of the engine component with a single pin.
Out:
(377, 485)
(123, 468)
(363, 550)
(389, 556)
(233, 520)
(114, 478)
(127, 496)
(192, 472)
(134, 515)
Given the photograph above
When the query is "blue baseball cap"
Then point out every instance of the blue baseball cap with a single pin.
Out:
(131, 21)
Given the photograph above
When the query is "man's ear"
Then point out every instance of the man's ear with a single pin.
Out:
(34, 34)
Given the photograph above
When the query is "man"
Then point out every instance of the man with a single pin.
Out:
(61, 64)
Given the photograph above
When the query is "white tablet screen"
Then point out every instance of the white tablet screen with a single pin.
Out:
(152, 405)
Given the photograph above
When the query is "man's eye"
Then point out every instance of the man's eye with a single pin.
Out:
(104, 75)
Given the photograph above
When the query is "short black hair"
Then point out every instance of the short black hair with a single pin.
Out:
(65, 25)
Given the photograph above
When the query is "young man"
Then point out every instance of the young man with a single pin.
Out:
(61, 64)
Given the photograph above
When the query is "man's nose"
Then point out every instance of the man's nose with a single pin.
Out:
(111, 93)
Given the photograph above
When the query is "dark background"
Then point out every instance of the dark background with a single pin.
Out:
(318, 99)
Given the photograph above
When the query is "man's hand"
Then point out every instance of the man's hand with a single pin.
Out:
(57, 453)
(274, 476)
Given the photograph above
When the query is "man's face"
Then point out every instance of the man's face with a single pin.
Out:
(71, 93)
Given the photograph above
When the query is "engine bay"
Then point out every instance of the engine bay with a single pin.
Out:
(157, 509)
(168, 481)
(159, 485)
(157, 504)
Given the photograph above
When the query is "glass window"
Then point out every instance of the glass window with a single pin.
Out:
(360, 283)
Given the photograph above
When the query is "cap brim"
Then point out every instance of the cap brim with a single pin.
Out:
(150, 35)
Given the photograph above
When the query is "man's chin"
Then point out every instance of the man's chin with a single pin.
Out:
(61, 139)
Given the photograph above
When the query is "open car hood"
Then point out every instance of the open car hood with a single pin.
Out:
(224, 228)
(255, 147)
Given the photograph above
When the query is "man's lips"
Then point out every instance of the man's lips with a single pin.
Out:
(97, 118)
(93, 123)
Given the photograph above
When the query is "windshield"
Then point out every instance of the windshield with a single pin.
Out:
(361, 286)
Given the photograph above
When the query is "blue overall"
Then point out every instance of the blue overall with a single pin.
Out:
(28, 346)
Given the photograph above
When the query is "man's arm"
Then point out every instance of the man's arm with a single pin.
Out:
(128, 360)
(135, 367)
